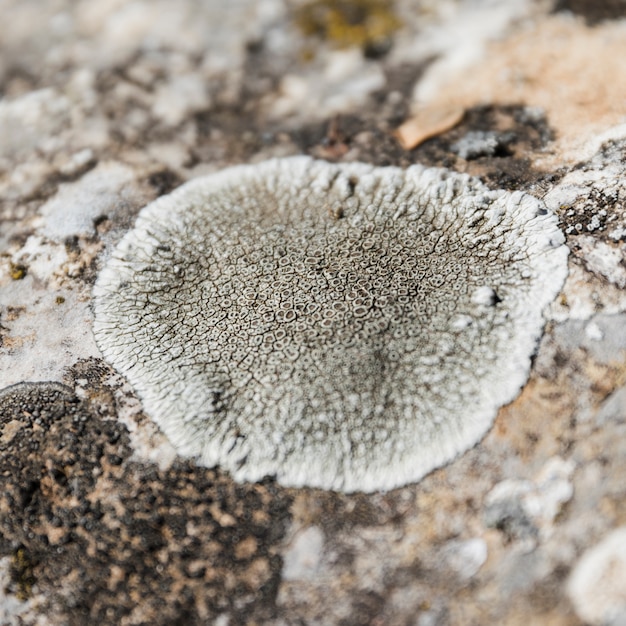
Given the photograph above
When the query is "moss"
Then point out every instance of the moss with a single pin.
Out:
(22, 573)
(368, 24)
(17, 271)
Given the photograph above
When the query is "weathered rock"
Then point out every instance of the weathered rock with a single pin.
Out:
(107, 105)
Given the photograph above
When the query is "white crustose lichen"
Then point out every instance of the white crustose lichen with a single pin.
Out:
(338, 326)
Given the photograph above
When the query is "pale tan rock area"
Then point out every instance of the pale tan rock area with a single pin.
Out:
(106, 105)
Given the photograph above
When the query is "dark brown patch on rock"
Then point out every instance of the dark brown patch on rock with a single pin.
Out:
(235, 131)
(368, 138)
(338, 512)
(164, 181)
(368, 133)
(229, 133)
(495, 143)
(102, 536)
(594, 11)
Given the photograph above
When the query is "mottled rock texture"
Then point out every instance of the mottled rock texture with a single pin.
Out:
(105, 538)
(106, 105)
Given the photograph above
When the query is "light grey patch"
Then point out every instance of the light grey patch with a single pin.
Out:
(597, 585)
(505, 510)
(436, 616)
(603, 336)
(29, 123)
(302, 559)
(479, 143)
(301, 319)
(465, 558)
(613, 409)
(74, 210)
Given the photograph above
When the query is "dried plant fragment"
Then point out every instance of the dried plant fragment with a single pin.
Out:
(426, 123)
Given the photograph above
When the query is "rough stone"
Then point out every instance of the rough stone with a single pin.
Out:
(144, 544)
(166, 92)
(303, 556)
(597, 585)
(481, 143)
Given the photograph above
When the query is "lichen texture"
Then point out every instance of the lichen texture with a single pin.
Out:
(339, 326)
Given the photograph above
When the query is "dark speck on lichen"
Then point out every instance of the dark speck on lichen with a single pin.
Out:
(340, 326)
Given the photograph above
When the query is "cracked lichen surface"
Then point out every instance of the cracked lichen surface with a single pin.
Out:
(340, 326)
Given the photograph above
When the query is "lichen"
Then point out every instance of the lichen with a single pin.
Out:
(340, 326)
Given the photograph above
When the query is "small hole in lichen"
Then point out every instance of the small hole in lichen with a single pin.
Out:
(60, 300)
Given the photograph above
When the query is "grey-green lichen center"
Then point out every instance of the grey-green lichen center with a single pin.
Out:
(337, 309)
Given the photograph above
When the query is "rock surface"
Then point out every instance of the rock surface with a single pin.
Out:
(106, 105)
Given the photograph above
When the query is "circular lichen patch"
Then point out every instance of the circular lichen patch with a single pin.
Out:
(339, 326)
